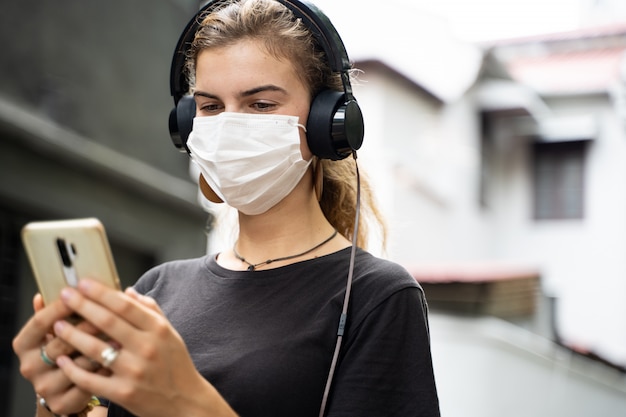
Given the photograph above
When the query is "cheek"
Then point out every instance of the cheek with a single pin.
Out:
(304, 147)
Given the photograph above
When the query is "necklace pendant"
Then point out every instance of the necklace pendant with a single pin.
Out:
(251, 268)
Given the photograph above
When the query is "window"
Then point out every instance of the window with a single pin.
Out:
(558, 180)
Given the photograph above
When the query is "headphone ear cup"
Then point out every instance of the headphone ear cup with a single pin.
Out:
(181, 122)
(334, 126)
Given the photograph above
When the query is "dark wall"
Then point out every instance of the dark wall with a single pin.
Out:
(100, 68)
(84, 102)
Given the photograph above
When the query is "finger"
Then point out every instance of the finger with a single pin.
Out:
(114, 325)
(38, 363)
(32, 365)
(70, 401)
(33, 334)
(87, 364)
(87, 381)
(37, 302)
(144, 300)
(134, 312)
(53, 383)
(88, 345)
(56, 347)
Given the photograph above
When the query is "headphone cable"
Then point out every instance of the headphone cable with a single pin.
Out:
(344, 312)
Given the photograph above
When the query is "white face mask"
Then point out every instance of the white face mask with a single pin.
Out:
(251, 161)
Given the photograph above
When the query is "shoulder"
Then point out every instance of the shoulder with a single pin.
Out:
(158, 276)
(380, 283)
(380, 275)
(371, 264)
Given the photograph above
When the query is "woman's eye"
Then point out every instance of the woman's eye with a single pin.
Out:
(263, 106)
(209, 107)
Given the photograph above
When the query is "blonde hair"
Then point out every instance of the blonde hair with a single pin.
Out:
(286, 37)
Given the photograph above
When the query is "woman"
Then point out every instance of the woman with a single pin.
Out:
(251, 330)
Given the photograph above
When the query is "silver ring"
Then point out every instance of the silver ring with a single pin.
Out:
(108, 356)
(45, 358)
(44, 404)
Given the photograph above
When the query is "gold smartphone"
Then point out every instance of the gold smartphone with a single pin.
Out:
(62, 252)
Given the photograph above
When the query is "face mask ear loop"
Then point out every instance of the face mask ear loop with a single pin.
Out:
(344, 311)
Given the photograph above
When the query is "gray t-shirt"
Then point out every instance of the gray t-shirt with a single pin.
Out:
(265, 339)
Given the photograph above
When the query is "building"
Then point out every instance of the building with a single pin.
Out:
(504, 201)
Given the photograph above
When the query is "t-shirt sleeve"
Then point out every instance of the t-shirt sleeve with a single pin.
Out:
(148, 280)
(386, 367)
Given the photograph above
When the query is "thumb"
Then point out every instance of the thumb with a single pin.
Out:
(37, 302)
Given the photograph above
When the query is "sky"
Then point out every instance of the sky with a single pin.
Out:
(485, 20)
(419, 37)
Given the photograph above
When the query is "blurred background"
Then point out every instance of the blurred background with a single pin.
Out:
(495, 139)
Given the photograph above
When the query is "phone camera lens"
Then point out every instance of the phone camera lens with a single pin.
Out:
(65, 257)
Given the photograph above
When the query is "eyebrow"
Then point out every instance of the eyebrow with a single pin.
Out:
(268, 87)
(246, 93)
(204, 94)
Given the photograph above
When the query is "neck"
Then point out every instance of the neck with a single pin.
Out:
(293, 226)
(289, 226)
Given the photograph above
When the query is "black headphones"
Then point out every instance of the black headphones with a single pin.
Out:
(335, 122)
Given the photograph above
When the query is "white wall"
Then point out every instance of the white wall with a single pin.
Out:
(424, 160)
(582, 261)
(486, 367)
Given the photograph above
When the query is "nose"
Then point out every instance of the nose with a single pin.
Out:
(234, 107)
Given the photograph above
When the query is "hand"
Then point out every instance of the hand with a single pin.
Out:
(49, 381)
(153, 373)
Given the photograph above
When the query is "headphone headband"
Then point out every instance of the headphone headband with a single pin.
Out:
(338, 122)
(324, 31)
(179, 85)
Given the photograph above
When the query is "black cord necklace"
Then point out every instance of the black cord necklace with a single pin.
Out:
(252, 267)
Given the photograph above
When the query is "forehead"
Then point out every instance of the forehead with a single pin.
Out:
(242, 65)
